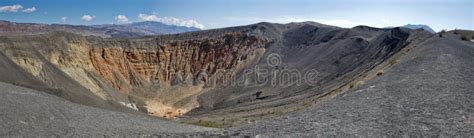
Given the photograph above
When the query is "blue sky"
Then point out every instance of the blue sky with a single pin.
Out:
(207, 14)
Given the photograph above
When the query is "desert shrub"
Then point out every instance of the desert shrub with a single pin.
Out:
(206, 123)
(442, 33)
(380, 73)
(392, 61)
(351, 86)
(456, 32)
(307, 104)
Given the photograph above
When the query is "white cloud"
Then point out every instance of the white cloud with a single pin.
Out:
(170, 20)
(11, 8)
(146, 17)
(87, 18)
(121, 19)
(29, 10)
(63, 19)
(180, 22)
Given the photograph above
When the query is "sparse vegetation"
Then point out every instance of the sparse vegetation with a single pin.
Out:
(442, 32)
(464, 35)
(392, 61)
(207, 123)
(455, 32)
(307, 104)
(380, 73)
(351, 86)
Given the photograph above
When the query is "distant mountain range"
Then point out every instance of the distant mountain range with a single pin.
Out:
(137, 29)
(107, 30)
(416, 26)
(147, 28)
(419, 26)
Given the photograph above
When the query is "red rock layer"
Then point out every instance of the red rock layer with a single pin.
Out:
(136, 63)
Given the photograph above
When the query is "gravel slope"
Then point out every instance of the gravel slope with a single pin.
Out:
(29, 112)
(428, 92)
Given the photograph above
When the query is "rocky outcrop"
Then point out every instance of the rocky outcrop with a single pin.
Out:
(173, 62)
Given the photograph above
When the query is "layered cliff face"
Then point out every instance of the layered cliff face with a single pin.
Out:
(159, 77)
(172, 67)
(171, 63)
